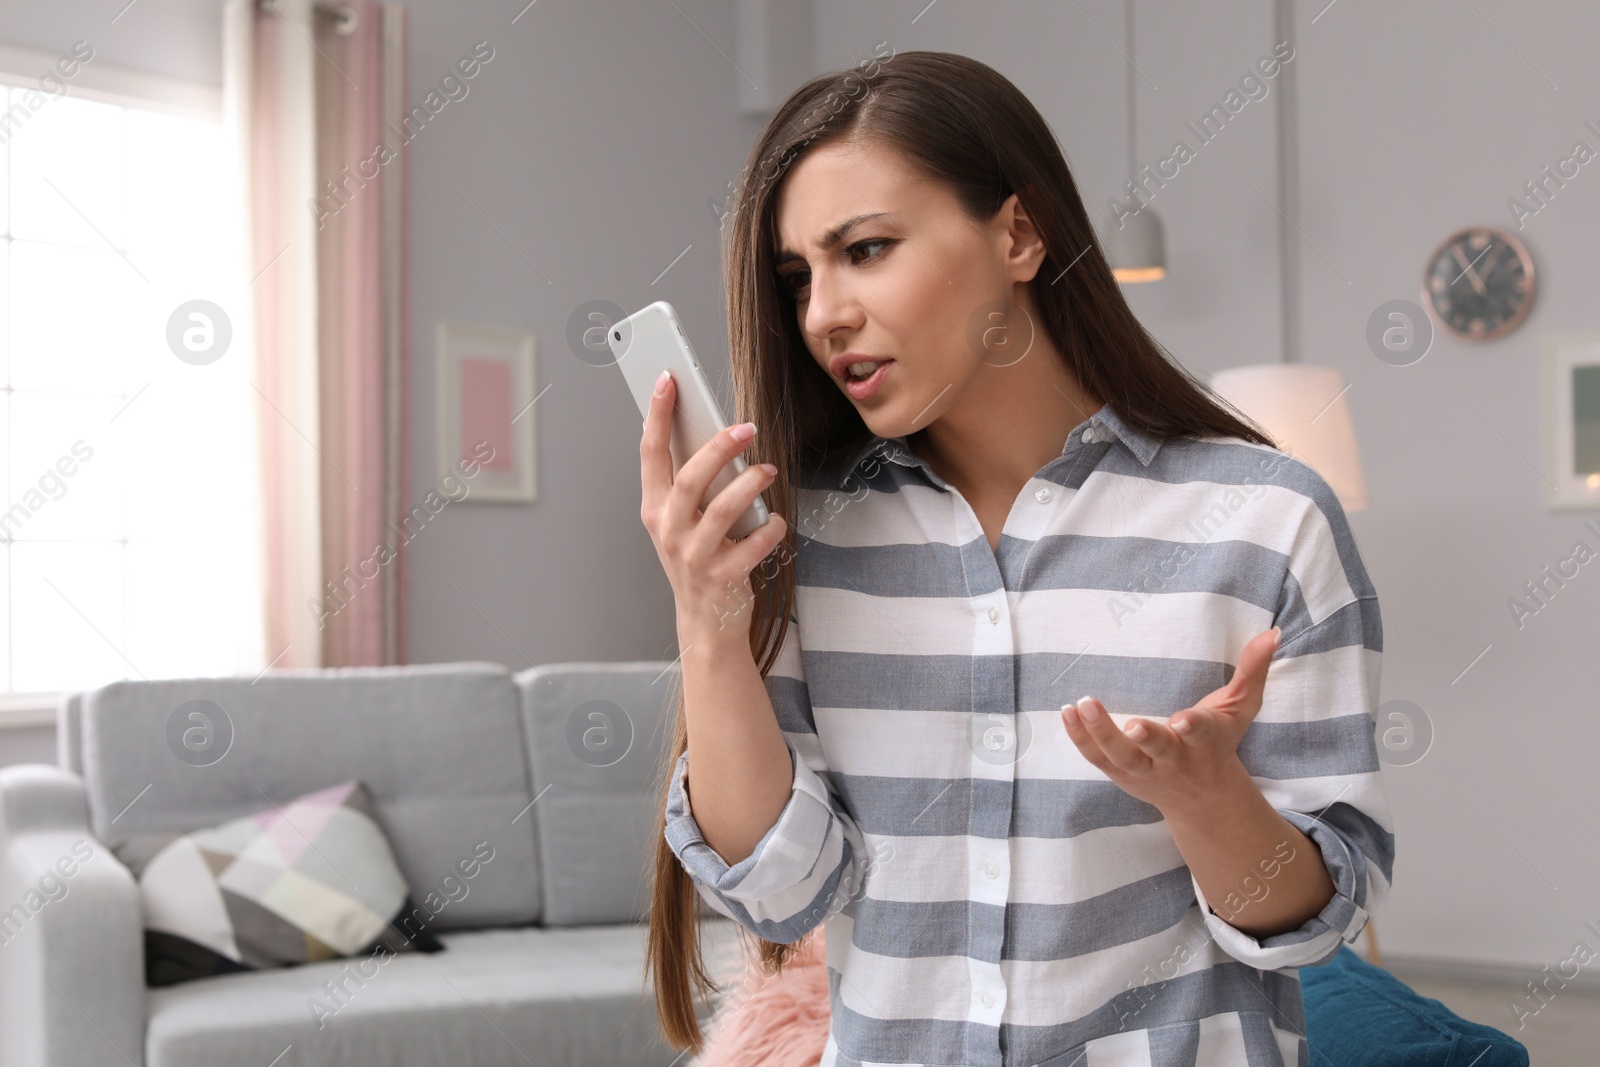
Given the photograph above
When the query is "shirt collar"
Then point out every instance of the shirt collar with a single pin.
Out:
(1142, 445)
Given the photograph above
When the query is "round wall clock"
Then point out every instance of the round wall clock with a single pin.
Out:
(1479, 283)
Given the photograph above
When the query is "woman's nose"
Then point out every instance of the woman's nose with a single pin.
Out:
(828, 306)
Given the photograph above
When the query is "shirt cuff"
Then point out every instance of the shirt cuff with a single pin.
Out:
(795, 865)
(1318, 939)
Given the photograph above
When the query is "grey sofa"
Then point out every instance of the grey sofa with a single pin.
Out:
(554, 766)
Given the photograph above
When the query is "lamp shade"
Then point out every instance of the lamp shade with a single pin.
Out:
(1137, 249)
(1303, 408)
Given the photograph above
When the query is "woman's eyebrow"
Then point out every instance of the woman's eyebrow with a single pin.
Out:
(833, 236)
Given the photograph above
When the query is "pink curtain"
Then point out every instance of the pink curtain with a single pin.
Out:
(315, 93)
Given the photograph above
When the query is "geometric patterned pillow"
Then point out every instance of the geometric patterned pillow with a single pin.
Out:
(312, 879)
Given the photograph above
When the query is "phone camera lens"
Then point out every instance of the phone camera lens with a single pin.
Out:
(617, 334)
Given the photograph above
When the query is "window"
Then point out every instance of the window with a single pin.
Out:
(128, 543)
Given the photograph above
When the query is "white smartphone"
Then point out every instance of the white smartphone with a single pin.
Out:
(644, 343)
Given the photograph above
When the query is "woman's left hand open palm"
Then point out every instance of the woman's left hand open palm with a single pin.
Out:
(1191, 756)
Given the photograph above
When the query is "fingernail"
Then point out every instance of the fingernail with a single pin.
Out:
(1181, 726)
(661, 383)
(770, 468)
(743, 432)
(1087, 708)
(1070, 713)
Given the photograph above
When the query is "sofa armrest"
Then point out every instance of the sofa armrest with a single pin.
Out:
(71, 931)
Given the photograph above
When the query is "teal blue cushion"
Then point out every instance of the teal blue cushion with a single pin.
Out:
(1359, 1015)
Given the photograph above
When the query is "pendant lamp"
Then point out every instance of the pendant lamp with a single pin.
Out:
(1136, 248)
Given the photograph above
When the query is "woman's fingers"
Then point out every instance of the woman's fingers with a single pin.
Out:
(1250, 678)
(755, 548)
(1097, 733)
(676, 498)
(1247, 687)
(694, 478)
(655, 449)
(732, 501)
(1154, 738)
(1196, 726)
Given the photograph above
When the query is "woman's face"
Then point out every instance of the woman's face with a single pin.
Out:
(883, 264)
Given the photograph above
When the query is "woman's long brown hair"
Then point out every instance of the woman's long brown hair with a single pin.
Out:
(961, 122)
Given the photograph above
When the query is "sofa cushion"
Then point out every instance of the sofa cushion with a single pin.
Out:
(596, 734)
(439, 746)
(1360, 1015)
(310, 879)
(495, 998)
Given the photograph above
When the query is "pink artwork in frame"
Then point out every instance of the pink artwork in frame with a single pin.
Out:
(486, 411)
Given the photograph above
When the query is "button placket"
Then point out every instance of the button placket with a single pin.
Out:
(993, 738)
(996, 868)
(988, 992)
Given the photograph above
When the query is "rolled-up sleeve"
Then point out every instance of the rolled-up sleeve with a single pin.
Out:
(1312, 749)
(788, 884)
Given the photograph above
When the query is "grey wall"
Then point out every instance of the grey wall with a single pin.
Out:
(593, 141)
(172, 38)
(1419, 119)
(1415, 120)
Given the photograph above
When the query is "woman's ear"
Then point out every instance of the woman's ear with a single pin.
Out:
(1023, 245)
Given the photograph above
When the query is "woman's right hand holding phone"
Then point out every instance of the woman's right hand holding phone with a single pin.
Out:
(708, 570)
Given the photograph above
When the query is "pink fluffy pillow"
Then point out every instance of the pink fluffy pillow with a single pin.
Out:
(766, 1021)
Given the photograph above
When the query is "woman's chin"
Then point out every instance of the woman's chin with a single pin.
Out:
(888, 425)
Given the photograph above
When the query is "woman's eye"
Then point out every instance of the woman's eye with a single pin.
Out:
(864, 244)
(797, 280)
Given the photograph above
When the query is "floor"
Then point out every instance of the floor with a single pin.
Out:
(1564, 1033)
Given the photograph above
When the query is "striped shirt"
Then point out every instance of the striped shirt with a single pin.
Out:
(991, 897)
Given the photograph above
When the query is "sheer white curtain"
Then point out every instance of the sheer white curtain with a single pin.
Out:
(269, 103)
(310, 96)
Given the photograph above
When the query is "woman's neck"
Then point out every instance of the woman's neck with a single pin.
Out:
(1009, 422)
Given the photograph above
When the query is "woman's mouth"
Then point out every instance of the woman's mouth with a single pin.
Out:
(862, 388)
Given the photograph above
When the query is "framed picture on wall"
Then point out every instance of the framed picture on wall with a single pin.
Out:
(486, 412)
(1572, 419)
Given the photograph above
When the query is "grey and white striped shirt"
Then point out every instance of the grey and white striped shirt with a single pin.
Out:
(991, 897)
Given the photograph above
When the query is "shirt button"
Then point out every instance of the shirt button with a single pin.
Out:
(1042, 496)
(994, 614)
(990, 869)
(988, 999)
(1088, 435)
(995, 738)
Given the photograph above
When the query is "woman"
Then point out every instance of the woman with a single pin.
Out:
(991, 489)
